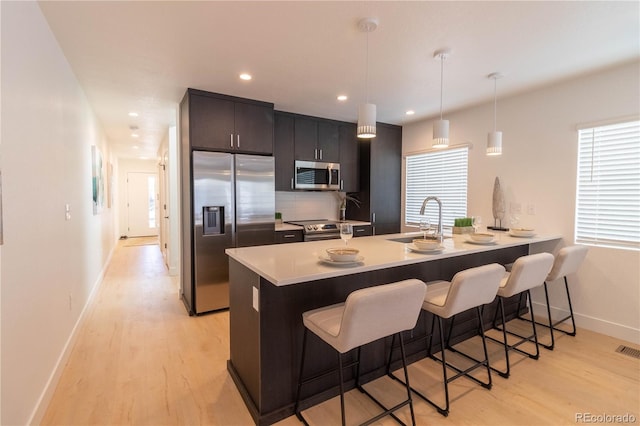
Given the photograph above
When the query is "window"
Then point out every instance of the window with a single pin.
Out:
(436, 173)
(608, 186)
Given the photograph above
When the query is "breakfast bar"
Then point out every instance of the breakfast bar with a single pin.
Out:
(271, 286)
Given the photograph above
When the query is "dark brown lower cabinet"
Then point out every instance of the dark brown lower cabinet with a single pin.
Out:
(294, 236)
(362, 230)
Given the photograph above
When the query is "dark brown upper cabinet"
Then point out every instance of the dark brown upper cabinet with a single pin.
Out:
(316, 139)
(349, 164)
(283, 151)
(226, 123)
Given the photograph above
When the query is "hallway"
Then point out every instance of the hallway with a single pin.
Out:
(139, 359)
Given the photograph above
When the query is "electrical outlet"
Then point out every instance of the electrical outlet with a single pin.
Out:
(256, 299)
(531, 209)
(67, 212)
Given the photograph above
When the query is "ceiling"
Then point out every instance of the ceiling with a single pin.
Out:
(141, 56)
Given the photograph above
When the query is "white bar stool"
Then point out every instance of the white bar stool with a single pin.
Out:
(526, 273)
(567, 262)
(468, 289)
(367, 315)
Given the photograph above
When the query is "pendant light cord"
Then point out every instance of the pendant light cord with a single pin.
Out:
(441, 82)
(495, 102)
(366, 78)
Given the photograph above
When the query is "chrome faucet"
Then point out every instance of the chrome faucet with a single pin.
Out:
(439, 236)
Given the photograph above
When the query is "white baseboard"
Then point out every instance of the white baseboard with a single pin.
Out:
(619, 331)
(50, 387)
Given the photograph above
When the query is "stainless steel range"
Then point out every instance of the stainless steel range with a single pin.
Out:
(319, 229)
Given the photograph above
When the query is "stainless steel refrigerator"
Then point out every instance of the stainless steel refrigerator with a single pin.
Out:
(233, 205)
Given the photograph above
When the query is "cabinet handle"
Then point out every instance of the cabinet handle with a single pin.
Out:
(359, 230)
(341, 184)
(291, 183)
(231, 140)
(238, 136)
(320, 154)
(315, 154)
(289, 235)
(373, 217)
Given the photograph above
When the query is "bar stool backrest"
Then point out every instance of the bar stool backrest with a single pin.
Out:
(472, 287)
(527, 272)
(376, 312)
(567, 262)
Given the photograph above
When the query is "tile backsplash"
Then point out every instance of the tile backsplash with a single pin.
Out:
(303, 205)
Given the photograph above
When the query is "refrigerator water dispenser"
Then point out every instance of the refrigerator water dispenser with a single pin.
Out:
(213, 220)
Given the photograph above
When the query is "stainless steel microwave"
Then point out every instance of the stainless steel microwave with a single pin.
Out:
(316, 175)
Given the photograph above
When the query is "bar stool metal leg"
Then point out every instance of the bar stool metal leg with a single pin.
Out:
(297, 405)
(344, 420)
(523, 339)
(567, 262)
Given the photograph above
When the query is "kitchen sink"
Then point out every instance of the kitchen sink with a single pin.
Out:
(410, 239)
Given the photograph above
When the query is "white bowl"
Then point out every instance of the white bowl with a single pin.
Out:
(481, 237)
(343, 254)
(424, 244)
(522, 232)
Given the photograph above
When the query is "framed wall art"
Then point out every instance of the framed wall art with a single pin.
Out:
(97, 179)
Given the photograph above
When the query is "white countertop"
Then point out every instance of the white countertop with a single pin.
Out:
(287, 227)
(285, 264)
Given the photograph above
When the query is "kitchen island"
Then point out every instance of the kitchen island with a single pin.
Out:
(271, 286)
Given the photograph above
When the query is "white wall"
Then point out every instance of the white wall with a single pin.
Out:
(50, 265)
(125, 166)
(538, 167)
(169, 146)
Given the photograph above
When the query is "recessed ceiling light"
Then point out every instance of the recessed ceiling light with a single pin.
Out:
(135, 135)
(133, 114)
(245, 76)
(342, 98)
(411, 112)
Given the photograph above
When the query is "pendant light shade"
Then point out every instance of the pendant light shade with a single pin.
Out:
(367, 112)
(494, 139)
(440, 134)
(494, 143)
(441, 127)
(367, 121)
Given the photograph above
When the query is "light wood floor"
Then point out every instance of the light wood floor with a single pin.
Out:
(141, 360)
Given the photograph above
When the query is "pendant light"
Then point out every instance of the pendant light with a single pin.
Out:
(441, 127)
(494, 139)
(367, 111)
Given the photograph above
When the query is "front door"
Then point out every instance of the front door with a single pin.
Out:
(142, 204)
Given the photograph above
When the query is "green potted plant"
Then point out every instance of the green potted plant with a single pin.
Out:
(463, 225)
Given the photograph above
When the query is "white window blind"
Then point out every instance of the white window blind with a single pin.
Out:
(608, 186)
(436, 173)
